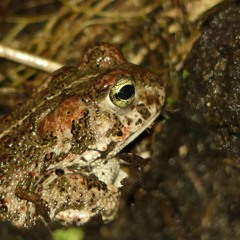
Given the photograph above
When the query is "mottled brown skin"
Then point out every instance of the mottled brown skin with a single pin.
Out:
(58, 151)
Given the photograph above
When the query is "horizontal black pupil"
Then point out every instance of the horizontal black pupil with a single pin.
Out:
(126, 92)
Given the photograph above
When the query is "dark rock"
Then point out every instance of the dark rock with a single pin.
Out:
(211, 89)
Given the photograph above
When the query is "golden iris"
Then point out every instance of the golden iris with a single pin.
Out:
(123, 92)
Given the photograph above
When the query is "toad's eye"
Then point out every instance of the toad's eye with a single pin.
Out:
(123, 92)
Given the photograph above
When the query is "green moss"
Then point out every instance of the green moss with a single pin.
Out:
(170, 100)
(68, 234)
(185, 74)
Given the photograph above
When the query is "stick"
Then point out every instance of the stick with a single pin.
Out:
(28, 59)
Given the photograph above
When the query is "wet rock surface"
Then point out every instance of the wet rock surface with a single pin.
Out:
(211, 90)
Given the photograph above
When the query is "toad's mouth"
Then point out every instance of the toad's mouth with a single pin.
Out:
(134, 135)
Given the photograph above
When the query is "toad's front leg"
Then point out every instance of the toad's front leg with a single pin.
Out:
(73, 198)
